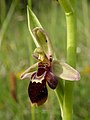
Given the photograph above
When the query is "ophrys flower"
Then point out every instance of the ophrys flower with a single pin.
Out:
(46, 70)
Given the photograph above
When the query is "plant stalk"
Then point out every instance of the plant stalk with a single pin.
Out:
(71, 58)
(59, 93)
(30, 43)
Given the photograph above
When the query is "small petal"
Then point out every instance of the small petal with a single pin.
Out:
(28, 72)
(26, 75)
(38, 92)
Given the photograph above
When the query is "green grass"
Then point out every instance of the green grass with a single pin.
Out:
(14, 56)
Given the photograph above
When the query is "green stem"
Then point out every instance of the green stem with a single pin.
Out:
(71, 58)
(29, 3)
(59, 93)
(66, 5)
(39, 115)
(30, 43)
(33, 112)
(7, 20)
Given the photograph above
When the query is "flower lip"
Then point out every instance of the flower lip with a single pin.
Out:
(38, 79)
(38, 92)
(41, 70)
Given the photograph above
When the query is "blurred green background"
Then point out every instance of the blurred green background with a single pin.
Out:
(16, 47)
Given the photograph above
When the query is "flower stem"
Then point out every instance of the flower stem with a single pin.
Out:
(71, 57)
(59, 93)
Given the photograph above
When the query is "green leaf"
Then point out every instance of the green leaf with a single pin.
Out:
(38, 34)
(33, 22)
(65, 71)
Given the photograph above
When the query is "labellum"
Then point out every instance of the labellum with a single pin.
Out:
(37, 88)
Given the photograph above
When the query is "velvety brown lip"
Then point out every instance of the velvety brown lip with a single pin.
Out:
(38, 92)
(37, 88)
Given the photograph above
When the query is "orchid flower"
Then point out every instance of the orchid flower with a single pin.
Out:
(47, 69)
